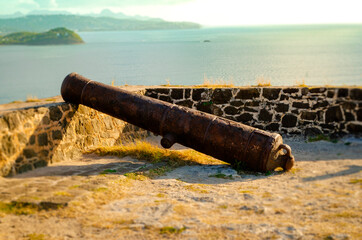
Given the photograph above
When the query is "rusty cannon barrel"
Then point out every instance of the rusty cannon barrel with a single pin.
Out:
(240, 145)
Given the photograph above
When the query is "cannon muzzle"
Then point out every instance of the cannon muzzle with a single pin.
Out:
(240, 145)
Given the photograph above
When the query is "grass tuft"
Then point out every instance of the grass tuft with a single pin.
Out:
(262, 82)
(35, 236)
(221, 175)
(145, 151)
(171, 230)
(216, 83)
(322, 137)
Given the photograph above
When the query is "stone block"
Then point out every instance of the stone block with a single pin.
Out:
(177, 93)
(43, 139)
(32, 140)
(29, 153)
(231, 110)
(272, 127)
(55, 114)
(57, 135)
(349, 105)
(236, 103)
(349, 116)
(196, 93)
(221, 96)
(304, 91)
(333, 114)
(162, 90)
(186, 103)
(299, 104)
(282, 107)
(359, 114)
(40, 163)
(19, 159)
(244, 117)
(308, 115)
(312, 131)
(265, 115)
(165, 98)
(356, 94)
(342, 92)
(320, 104)
(249, 93)
(43, 154)
(291, 90)
(254, 103)
(354, 127)
(317, 90)
(278, 117)
(289, 120)
(24, 168)
(45, 120)
(204, 106)
(271, 93)
(284, 97)
(330, 93)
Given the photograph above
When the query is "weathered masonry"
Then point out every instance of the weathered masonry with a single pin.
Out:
(35, 136)
(285, 110)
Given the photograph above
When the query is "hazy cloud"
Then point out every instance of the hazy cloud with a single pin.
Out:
(46, 3)
(115, 3)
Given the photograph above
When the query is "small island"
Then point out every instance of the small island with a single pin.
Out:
(52, 37)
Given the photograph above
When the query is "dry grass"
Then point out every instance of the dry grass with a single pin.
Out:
(263, 82)
(31, 98)
(145, 151)
(301, 83)
(215, 83)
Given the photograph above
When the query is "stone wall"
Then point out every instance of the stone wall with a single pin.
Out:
(298, 110)
(34, 137)
(38, 135)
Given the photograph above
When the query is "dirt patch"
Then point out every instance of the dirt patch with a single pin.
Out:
(319, 198)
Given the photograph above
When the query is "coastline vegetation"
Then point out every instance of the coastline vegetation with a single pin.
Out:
(52, 37)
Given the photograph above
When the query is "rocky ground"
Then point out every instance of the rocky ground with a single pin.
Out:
(97, 198)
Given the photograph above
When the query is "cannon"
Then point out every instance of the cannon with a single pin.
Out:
(240, 145)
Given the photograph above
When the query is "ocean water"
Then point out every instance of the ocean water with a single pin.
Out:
(283, 55)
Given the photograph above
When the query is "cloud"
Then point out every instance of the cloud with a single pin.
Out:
(46, 3)
(115, 3)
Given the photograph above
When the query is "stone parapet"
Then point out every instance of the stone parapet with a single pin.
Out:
(288, 110)
(37, 136)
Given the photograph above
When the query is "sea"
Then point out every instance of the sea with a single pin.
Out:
(242, 56)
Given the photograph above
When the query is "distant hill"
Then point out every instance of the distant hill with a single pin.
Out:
(40, 23)
(52, 37)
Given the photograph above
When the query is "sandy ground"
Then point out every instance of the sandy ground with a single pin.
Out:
(82, 199)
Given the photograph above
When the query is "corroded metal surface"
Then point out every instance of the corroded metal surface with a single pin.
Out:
(232, 142)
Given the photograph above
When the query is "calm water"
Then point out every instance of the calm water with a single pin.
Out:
(284, 55)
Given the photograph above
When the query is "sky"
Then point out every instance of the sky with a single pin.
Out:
(208, 12)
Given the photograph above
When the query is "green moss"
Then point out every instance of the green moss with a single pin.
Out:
(221, 175)
(171, 230)
(18, 208)
(35, 236)
(322, 137)
(106, 171)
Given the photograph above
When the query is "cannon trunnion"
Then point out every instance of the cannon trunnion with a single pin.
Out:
(230, 141)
